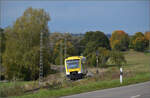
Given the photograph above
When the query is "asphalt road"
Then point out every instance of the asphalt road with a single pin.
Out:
(141, 90)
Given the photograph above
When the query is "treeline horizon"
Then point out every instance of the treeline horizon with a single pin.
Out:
(107, 34)
(20, 46)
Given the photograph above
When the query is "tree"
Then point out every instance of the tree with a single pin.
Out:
(21, 56)
(119, 40)
(59, 50)
(94, 39)
(147, 37)
(138, 42)
(76, 41)
(103, 55)
(2, 49)
(2, 40)
(62, 45)
(117, 58)
(54, 38)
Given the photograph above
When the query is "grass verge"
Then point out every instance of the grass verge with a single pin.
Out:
(44, 93)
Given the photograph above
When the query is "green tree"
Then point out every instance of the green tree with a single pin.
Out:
(138, 42)
(60, 42)
(21, 56)
(117, 58)
(59, 51)
(119, 40)
(92, 40)
(76, 41)
(2, 40)
(103, 55)
(2, 49)
(54, 38)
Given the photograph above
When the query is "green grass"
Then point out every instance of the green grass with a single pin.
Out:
(88, 87)
(137, 62)
(11, 84)
(136, 70)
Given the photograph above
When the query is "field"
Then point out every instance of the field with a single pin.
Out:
(136, 70)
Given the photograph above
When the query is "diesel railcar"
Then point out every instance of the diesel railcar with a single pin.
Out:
(75, 67)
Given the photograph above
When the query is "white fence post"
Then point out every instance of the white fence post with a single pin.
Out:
(121, 75)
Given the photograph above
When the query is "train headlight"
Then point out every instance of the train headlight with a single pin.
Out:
(79, 72)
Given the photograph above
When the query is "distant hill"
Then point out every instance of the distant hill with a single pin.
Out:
(77, 34)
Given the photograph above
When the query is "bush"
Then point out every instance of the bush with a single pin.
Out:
(103, 55)
(54, 85)
(67, 83)
(117, 58)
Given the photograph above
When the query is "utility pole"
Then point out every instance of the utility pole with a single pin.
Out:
(61, 56)
(0, 54)
(65, 47)
(79, 44)
(97, 61)
(41, 60)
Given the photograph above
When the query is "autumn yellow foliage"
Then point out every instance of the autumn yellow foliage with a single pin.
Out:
(119, 40)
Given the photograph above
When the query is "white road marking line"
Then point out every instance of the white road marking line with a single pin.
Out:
(135, 96)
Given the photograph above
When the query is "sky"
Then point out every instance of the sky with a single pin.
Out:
(84, 15)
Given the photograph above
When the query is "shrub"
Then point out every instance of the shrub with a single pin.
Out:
(102, 54)
(54, 85)
(117, 58)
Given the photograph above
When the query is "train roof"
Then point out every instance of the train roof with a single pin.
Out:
(74, 57)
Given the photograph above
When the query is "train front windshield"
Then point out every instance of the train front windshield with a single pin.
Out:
(71, 64)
